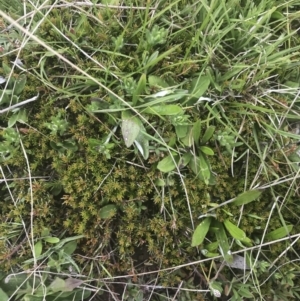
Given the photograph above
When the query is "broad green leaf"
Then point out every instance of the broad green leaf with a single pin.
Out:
(20, 84)
(58, 285)
(160, 182)
(164, 110)
(212, 246)
(206, 150)
(70, 247)
(130, 128)
(5, 96)
(107, 211)
(196, 130)
(291, 84)
(38, 247)
(200, 232)
(208, 134)
(187, 140)
(199, 86)
(216, 288)
(20, 116)
(156, 81)
(17, 282)
(142, 140)
(12, 120)
(204, 168)
(3, 295)
(244, 292)
(236, 232)
(201, 169)
(181, 130)
(195, 166)
(6, 68)
(153, 56)
(167, 164)
(185, 159)
(247, 197)
(142, 144)
(277, 15)
(223, 241)
(139, 89)
(51, 240)
(45, 232)
(279, 233)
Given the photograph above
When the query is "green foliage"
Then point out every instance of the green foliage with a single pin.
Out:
(58, 125)
(168, 116)
(41, 285)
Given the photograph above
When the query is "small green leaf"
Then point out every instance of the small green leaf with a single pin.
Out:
(20, 84)
(201, 168)
(139, 89)
(20, 116)
(216, 288)
(51, 240)
(12, 120)
(212, 246)
(208, 134)
(160, 182)
(204, 168)
(199, 86)
(244, 292)
(187, 140)
(208, 254)
(38, 247)
(156, 81)
(196, 130)
(58, 285)
(3, 295)
(247, 197)
(5, 97)
(277, 15)
(206, 150)
(6, 68)
(200, 232)
(107, 211)
(130, 128)
(185, 159)
(223, 241)
(181, 130)
(194, 165)
(70, 247)
(45, 232)
(279, 233)
(142, 144)
(164, 110)
(234, 231)
(167, 164)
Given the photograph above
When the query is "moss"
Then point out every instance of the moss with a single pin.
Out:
(147, 225)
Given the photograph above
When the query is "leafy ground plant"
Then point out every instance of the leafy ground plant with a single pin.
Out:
(162, 137)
